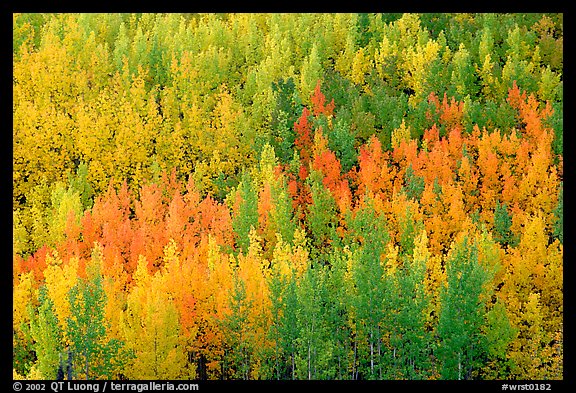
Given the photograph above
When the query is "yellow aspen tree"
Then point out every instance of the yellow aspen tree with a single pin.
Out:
(151, 329)
(24, 295)
(249, 336)
(60, 277)
(416, 67)
(529, 362)
(400, 134)
(435, 276)
(534, 268)
(361, 66)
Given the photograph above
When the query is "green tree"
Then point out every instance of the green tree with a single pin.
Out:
(342, 142)
(463, 306)
(283, 282)
(313, 344)
(414, 184)
(284, 115)
(245, 211)
(409, 338)
(369, 238)
(47, 336)
(80, 183)
(95, 355)
(321, 218)
(237, 332)
(502, 223)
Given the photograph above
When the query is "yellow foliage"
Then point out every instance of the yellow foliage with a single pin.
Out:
(400, 134)
(60, 279)
(361, 66)
(151, 329)
(23, 294)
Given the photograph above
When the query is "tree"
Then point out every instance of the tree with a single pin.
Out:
(151, 329)
(245, 210)
(311, 72)
(284, 115)
(502, 224)
(313, 345)
(367, 242)
(321, 217)
(246, 323)
(463, 306)
(24, 298)
(47, 336)
(304, 137)
(409, 338)
(60, 278)
(95, 355)
(533, 290)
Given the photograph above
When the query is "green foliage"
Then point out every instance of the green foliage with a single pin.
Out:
(463, 305)
(284, 328)
(321, 217)
(284, 115)
(238, 332)
(342, 142)
(245, 216)
(408, 230)
(414, 184)
(499, 334)
(313, 344)
(410, 341)
(556, 122)
(368, 242)
(82, 186)
(47, 336)
(283, 212)
(95, 354)
(502, 223)
(348, 285)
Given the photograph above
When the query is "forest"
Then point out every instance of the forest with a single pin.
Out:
(313, 196)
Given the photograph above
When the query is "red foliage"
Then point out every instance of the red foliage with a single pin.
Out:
(327, 163)
(318, 103)
(303, 139)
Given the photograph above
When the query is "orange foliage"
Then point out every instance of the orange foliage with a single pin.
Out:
(303, 141)
(318, 103)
